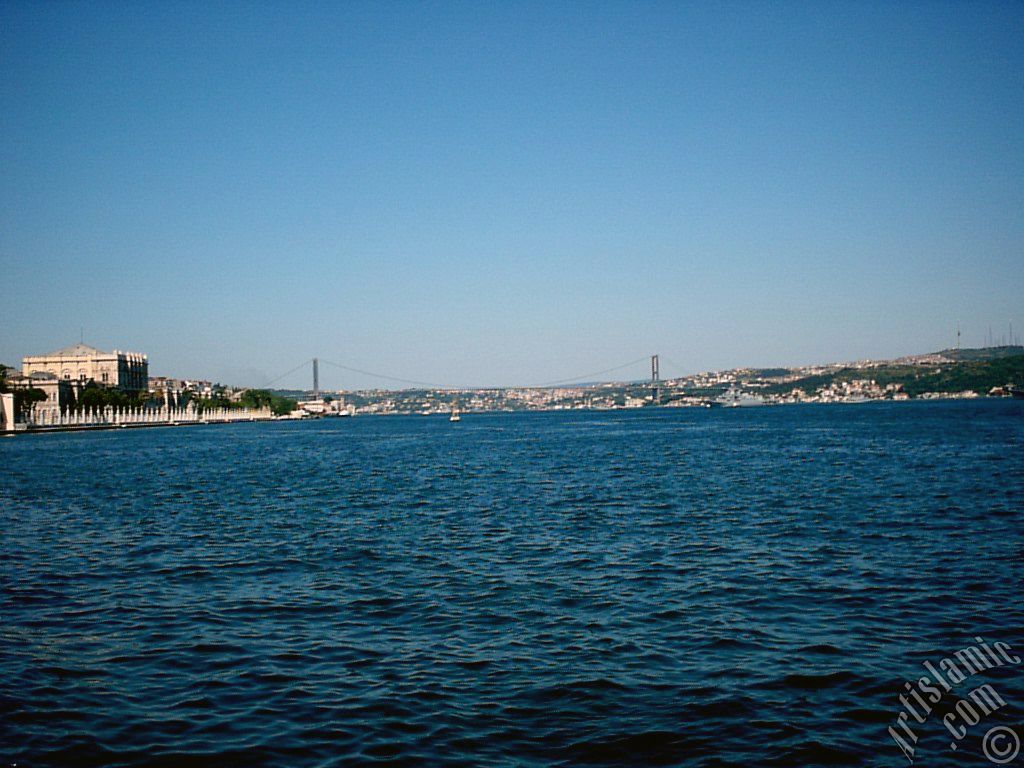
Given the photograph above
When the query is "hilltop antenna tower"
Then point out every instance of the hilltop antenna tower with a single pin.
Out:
(957, 335)
(655, 380)
(316, 378)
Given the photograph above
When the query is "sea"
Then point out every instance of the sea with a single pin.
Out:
(654, 587)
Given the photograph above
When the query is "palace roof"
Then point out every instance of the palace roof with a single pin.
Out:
(76, 350)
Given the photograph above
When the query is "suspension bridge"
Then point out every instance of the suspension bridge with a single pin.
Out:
(313, 364)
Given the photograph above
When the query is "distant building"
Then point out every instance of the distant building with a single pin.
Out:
(319, 407)
(60, 394)
(81, 364)
(202, 388)
(167, 389)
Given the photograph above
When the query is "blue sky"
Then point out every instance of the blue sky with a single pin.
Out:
(508, 193)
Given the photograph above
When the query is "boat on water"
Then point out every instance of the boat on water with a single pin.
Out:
(455, 415)
(735, 398)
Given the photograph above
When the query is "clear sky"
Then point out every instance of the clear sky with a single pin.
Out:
(508, 193)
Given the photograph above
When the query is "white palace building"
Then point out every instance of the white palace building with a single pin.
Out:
(62, 374)
(81, 363)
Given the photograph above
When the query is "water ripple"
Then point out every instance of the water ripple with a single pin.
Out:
(662, 587)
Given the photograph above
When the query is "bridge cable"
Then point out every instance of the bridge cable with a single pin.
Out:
(433, 385)
(591, 375)
(283, 375)
(382, 376)
(673, 365)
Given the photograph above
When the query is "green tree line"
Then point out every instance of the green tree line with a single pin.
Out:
(251, 398)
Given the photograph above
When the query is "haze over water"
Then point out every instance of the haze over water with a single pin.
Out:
(660, 587)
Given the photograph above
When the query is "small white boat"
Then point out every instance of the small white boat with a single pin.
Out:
(455, 415)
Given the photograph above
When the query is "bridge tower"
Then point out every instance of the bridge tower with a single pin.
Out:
(655, 380)
(316, 378)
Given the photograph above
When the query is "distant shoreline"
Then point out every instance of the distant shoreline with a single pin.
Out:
(524, 411)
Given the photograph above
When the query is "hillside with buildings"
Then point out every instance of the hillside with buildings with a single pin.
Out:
(943, 374)
(992, 372)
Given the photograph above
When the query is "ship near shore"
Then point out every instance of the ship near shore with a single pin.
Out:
(736, 398)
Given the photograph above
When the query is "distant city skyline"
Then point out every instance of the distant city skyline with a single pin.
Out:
(508, 195)
(298, 377)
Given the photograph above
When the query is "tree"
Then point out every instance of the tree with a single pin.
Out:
(95, 397)
(26, 399)
(282, 406)
(264, 398)
(256, 398)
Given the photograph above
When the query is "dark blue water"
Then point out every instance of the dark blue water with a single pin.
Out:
(661, 587)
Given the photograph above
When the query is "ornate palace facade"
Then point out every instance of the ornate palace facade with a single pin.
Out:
(81, 363)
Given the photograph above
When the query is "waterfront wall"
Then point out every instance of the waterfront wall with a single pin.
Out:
(6, 411)
(49, 420)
